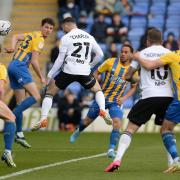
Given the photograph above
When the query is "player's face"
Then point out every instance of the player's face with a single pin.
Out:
(46, 29)
(125, 54)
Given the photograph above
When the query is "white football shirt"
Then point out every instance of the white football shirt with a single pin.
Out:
(156, 82)
(78, 47)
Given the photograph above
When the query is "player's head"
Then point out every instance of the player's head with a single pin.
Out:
(47, 26)
(68, 24)
(126, 53)
(154, 36)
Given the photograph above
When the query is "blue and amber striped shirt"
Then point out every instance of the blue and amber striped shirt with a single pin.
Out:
(114, 83)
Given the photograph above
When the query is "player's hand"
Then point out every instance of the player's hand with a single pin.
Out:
(136, 56)
(121, 101)
(43, 81)
(9, 50)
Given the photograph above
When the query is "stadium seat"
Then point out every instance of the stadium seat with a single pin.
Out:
(158, 9)
(172, 23)
(136, 44)
(173, 10)
(135, 34)
(103, 47)
(137, 22)
(140, 9)
(118, 46)
(125, 20)
(174, 2)
(159, 2)
(108, 20)
(157, 22)
(142, 1)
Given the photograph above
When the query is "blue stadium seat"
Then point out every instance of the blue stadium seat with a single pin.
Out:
(103, 47)
(173, 10)
(108, 20)
(118, 46)
(156, 22)
(136, 44)
(172, 23)
(125, 20)
(135, 34)
(158, 9)
(159, 1)
(138, 21)
(141, 9)
(142, 1)
(174, 2)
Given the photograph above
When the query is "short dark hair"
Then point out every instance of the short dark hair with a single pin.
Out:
(154, 36)
(129, 46)
(48, 21)
(69, 20)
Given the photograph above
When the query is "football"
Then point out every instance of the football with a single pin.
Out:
(5, 27)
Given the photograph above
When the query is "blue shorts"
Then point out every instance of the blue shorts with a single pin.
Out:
(173, 111)
(19, 74)
(115, 110)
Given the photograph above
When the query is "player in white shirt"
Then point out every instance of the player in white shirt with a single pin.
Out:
(156, 95)
(74, 64)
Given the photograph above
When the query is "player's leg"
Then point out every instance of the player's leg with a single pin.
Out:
(52, 89)
(100, 99)
(9, 133)
(138, 115)
(116, 114)
(91, 116)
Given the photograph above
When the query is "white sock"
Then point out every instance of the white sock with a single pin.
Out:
(170, 160)
(46, 106)
(124, 143)
(99, 97)
(20, 134)
(8, 151)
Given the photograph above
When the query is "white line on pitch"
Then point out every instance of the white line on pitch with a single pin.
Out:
(49, 166)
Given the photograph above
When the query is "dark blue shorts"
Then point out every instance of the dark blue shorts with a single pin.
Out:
(19, 74)
(115, 110)
(173, 111)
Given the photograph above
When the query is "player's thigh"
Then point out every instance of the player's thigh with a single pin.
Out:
(32, 89)
(89, 82)
(173, 112)
(5, 112)
(162, 104)
(20, 95)
(93, 111)
(116, 114)
(141, 112)
(62, 80)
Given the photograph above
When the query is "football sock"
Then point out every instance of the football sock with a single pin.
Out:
(9, 132)
(18, 111)
(99, 97)
(124, 143)
(170, 144)
(20, 134)
(46, 106)
(82, 126)
(114, 138)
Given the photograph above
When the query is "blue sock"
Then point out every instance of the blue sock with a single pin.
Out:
(114, 138)
(82, 126)
(9, 132)
(18, 111)
(28, 102)
(19, 119)
(170, 144)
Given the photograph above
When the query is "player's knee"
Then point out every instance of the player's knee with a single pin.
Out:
(116, 123)
(11, 117)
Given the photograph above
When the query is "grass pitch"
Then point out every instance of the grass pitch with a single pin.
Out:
(145, 159)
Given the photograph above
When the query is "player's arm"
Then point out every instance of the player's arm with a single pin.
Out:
(36, 67)
(148, 64)
(59, 61)
(14, 40)
(130, 92)
(130, 75)
(98, 54)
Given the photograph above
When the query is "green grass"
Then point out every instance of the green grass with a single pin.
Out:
(145, 159)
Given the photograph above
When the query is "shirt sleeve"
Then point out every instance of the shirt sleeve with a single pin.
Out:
(104, 66)
(3, 72)
(168, 58)
(135, 65)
